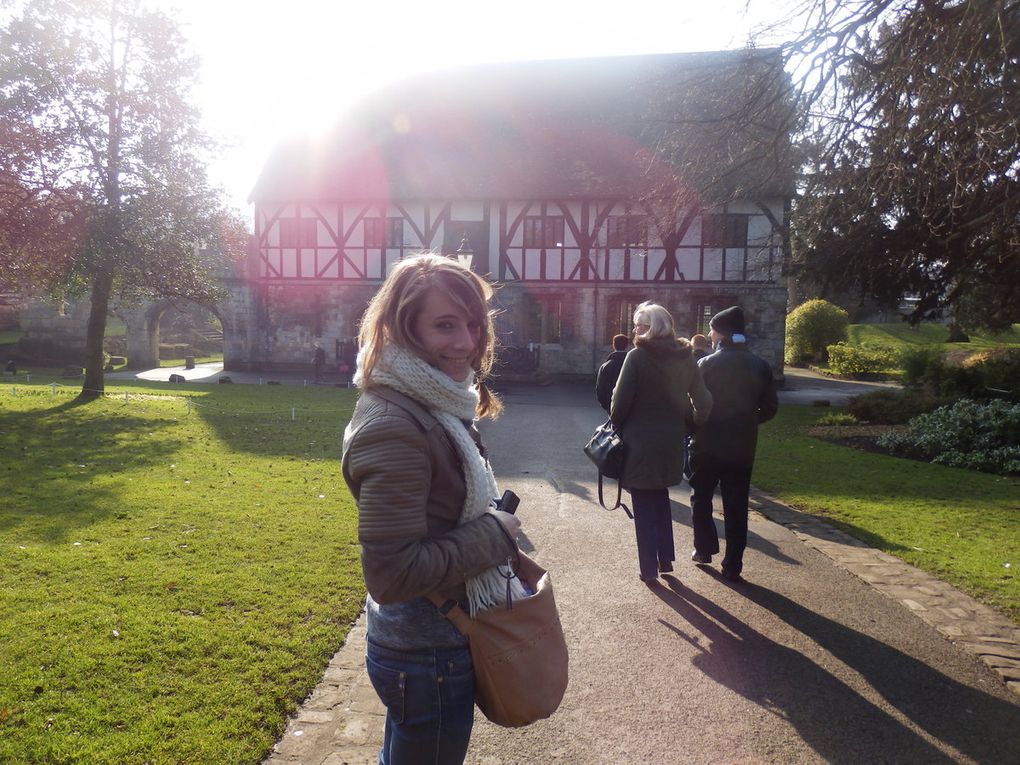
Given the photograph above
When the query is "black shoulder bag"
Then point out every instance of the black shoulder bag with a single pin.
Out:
(608, 452)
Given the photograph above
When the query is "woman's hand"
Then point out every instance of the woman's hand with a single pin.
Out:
(511, 523)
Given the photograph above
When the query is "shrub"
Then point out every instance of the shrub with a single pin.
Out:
(893, 407)
(854, 360)
(837, 419)
(967, 434)
(811, 327)
(998, 368)
(917, 362)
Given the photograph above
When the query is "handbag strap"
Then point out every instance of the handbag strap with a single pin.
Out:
(619, 492)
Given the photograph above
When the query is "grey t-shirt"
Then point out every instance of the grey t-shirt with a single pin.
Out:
(412, 626)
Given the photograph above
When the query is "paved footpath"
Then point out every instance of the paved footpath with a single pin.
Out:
(830, 652)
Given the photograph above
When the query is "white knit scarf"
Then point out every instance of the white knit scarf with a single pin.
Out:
(453, 404)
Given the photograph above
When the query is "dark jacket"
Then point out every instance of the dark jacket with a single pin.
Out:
(658, 387)
(743, 395)
(407, 481)
(606, 379)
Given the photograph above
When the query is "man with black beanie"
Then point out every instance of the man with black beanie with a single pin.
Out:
(722, 450)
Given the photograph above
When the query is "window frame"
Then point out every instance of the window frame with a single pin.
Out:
(626, 231)
(543, 232)
(724, 230)
(298, 233)
(374, 231)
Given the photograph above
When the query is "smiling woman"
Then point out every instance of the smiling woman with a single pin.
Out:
(427, 522)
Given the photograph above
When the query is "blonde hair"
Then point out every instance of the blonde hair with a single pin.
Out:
(658, 319)
(392, 312)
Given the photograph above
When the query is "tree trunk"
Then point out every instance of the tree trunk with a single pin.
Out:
(94, 335)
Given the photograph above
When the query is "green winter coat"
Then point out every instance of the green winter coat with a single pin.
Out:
(659, 386)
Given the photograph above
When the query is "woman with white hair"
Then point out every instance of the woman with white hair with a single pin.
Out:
(659, 385)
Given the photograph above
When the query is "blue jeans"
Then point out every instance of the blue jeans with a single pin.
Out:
(430, 703)
(653, 526)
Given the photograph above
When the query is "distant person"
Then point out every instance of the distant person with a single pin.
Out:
(319, 361)
(722, 449)
(415, 464)
(659, 386)
(11, 367)
(609, 372)
(702, 347)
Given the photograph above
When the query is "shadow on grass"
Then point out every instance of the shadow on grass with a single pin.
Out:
(834, 719)
(55, 462)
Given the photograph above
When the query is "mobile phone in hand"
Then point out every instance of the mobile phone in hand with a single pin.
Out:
(508, 502)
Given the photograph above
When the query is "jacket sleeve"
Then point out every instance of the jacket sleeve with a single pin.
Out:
(701, 398)
(603, 392)
(389, 461)
(768, 401)
(624, 392)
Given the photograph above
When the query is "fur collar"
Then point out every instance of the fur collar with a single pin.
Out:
(660, 347)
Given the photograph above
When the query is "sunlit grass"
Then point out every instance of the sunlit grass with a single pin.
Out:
(900, 335)
(175, 578)
(961, 525)
(213, 357)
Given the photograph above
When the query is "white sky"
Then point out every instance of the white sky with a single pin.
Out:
(270, 70)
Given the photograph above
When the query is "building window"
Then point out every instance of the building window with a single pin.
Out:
(620, 318)
(394, 232)
(375, 232)
(297, 232)
(627, 231)
(543, 231)
(544, 319)
(725, 230)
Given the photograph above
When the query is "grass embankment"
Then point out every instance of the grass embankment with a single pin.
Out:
(173, 583)
(213, 357)
(960, 525)
(900, 335)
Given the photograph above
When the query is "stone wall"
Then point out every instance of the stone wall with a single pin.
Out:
(271, 326)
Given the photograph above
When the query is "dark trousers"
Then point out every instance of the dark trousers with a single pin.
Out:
(653, 526)
(734, 482)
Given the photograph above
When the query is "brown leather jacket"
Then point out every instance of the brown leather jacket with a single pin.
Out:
(406, 478)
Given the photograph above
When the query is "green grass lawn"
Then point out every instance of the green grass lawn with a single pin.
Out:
(173, 582)
(198, 360)
(900, 335)
(960, 525)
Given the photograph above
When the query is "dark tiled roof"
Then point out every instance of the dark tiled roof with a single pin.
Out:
(563, 128)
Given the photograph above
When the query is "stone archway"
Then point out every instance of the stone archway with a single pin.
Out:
(142, 324)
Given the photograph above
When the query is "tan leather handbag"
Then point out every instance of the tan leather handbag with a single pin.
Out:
(518, 651)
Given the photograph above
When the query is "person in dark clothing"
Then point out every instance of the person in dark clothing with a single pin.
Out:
(318, 361)
(609, 372)
(659, 389)
(722, 450)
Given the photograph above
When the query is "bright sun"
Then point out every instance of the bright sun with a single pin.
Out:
(269, 71)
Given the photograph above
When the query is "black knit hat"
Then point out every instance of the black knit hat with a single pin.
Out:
(729, 321)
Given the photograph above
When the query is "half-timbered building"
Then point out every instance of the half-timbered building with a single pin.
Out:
(565, 181)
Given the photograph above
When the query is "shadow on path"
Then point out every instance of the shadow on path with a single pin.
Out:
(941, 706)
(835, 720)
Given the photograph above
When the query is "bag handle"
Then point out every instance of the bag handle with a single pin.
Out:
(619, 492)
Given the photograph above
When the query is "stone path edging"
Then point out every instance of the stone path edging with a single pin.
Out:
(341, 723)
(974, 627)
